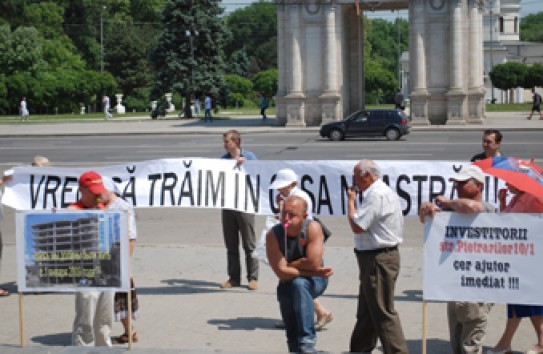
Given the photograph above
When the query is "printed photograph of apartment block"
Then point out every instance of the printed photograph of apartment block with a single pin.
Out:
(70, 250)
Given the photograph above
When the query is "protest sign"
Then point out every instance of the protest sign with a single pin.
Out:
(71, 251)
(483, 257)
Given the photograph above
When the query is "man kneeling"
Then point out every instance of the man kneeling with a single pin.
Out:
(296, 259)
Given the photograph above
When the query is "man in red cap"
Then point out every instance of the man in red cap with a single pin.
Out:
(93, 309)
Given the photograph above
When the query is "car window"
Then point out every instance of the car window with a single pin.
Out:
(361, 117)
(378, 115)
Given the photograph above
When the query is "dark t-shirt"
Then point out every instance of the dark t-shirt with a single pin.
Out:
(478, 157)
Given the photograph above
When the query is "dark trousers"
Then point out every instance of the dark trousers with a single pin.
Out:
(376, 316)
(234, 224)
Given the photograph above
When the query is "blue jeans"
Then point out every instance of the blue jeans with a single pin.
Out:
(296, 302)
(208, 115)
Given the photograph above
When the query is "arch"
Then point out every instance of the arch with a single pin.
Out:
(320, 60)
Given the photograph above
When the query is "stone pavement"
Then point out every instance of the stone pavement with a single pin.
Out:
(184, 311)
(506, 121)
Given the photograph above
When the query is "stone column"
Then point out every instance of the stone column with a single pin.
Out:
(296, 59)
(476, 89)
(282, 67)
(330, 98)
(417, 62)
(295, 97)
(455, 95)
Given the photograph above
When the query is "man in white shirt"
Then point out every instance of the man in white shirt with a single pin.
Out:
(377, 225)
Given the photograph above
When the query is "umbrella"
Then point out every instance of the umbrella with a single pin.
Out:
(524, 175)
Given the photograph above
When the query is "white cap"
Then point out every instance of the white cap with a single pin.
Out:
(284, 178)
(468, 172)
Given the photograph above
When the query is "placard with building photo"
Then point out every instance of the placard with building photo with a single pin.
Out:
(67, 251)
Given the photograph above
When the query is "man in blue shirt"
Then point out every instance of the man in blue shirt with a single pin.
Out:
(236, 222)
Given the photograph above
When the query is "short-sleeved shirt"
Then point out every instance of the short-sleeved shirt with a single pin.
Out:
(243, 153)
(380, 216)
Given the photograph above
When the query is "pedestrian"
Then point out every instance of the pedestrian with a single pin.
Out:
(398, 99)
(492, 139)
(24, 110)
(467, 320)
(207, 108)
(237, 223)
(263, 106)
(197, 107)
(536, 104)
(377, 225)
(286, 184)
(295, 250)
(521, 202)
(105, 104)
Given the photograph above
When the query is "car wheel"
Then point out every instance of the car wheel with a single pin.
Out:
(336, 135)
(392, 134)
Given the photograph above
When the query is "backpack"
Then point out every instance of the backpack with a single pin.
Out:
(537, 98)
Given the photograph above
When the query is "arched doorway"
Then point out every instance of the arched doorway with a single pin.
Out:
(320, 60)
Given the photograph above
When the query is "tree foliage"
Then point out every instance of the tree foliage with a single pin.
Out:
(186, 66)
(381, 56)
(265, 82)
(534, 77)
(509, 75)
(253, 29)
(531, 29)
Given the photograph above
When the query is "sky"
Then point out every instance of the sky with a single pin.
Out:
(526, 7)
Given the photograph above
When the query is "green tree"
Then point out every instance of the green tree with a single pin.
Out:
(126, 58)
(185, 66)
(254, 28)
(265, 82)
(531, 29)
(534, 77)
(509, 75)
(239, 63)
(381, 56)
(239, 88)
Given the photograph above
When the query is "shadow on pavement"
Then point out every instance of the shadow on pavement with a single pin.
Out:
(433, 346)
(54, 339)
(244, 323)
(182, 287)
(221, 122)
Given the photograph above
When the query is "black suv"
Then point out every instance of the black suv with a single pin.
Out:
(390, 123)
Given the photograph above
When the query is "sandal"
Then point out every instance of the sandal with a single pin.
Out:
(123, 338)
(4, 292)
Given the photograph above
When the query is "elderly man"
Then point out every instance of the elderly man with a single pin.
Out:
(295, 248)
(467, 320)
(377, 225)
(492, 140)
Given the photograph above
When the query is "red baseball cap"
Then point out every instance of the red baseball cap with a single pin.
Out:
(93, 181)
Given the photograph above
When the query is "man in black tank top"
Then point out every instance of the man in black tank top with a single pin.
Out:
(296, 258)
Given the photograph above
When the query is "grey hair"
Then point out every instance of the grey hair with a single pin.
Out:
(369, 166)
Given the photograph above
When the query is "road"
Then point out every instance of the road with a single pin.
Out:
(105, 150)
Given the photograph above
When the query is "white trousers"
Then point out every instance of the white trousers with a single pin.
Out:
(93, 318)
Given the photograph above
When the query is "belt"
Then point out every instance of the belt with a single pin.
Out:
(377, 250)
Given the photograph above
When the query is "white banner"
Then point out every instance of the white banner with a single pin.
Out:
(215, 183)
(483, 257)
